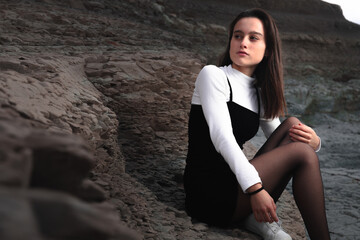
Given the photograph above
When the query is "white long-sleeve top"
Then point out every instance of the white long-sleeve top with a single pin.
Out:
(212, 91)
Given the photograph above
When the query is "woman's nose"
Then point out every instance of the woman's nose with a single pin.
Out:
(243, 43)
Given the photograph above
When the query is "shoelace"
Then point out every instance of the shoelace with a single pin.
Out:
(274, 227)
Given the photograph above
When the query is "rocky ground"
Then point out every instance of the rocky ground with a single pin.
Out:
(94, 103)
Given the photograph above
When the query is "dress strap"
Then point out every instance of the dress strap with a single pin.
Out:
(231, 95)
(257, 95)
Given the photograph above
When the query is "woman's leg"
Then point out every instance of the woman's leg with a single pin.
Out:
(280, 136)
(279, 160)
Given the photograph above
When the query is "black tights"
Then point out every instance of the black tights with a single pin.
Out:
(277, 161)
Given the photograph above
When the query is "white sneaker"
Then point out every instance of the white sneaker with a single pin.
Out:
(269, 231)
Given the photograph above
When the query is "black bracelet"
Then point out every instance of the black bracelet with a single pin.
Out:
(256, 191)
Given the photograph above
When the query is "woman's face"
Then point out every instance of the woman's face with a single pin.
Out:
(247, 45)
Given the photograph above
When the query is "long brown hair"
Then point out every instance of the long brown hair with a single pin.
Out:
(269, 72)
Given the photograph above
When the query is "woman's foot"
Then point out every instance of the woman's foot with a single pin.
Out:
(269, 231)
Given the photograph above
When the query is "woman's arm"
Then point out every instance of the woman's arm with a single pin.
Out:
(263, 205)
(212, 88)
(269, 125)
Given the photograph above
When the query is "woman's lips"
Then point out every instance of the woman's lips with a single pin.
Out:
(242, 53)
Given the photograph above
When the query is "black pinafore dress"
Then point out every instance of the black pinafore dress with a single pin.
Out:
(210, 185)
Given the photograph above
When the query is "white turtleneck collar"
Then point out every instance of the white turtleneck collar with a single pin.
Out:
(236, 74)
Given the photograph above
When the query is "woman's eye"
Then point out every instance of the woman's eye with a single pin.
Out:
(254, 38)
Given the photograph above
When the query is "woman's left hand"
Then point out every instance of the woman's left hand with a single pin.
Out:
(303, 133)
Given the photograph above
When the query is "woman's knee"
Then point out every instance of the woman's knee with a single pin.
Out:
(305, 153)
(290, 121)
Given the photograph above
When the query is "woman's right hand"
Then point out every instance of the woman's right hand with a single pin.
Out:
(263, 207)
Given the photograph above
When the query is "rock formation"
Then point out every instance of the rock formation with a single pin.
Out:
(94, 101)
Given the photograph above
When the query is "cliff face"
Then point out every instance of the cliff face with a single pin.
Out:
(94, 102)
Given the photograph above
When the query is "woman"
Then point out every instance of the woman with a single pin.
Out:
(229, 104)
